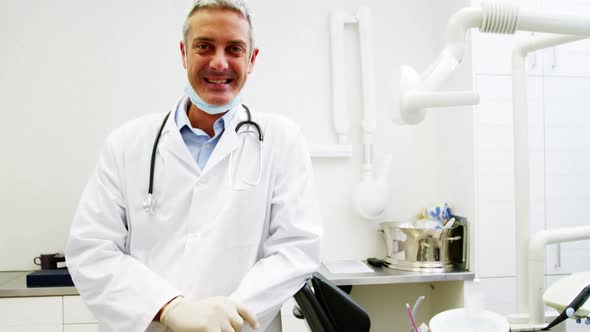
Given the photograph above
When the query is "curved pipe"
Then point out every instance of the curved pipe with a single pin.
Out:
(369, 123)
(491, 17)
(373, 193)
(536, 263)
(454, 50)
(521, 159)
(340, 116)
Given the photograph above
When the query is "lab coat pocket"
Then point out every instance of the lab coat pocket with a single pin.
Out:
(210, 261)
(243, 218)
(245, 165)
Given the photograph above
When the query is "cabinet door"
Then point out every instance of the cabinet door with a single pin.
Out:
(81, 328)
(289, 322)
(568, 59)
(567, 101)
(43, 314)
(76, 312)
(499, 294)
(31, 327)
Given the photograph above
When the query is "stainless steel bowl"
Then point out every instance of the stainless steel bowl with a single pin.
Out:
(425, 249)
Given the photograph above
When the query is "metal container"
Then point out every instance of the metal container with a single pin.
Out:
(425, 249)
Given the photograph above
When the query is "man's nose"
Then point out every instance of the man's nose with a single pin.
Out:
(219, 61)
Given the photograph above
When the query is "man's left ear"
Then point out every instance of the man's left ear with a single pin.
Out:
(253, 60)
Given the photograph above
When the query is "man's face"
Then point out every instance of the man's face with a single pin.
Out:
(217, 54)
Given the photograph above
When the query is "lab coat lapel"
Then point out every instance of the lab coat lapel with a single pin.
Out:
(171, 142)
(228, 142)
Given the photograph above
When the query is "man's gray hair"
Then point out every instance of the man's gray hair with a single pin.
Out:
(238, 6)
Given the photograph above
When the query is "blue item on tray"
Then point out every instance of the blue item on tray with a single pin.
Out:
(50, 278)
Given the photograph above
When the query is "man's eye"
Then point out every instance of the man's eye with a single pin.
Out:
(236, 49)
(202, 47)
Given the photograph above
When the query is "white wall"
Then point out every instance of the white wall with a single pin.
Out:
(71, 71)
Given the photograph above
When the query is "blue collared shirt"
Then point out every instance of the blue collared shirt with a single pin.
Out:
(198, 142)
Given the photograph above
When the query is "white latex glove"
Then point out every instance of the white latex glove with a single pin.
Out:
(210, 315)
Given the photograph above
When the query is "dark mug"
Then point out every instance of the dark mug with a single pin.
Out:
(49, 261)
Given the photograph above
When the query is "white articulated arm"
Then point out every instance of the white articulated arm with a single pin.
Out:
(417, 91)
(536, 263)
(521, 160)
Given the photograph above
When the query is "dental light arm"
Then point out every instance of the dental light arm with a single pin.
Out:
(530, 267)
(417, 91)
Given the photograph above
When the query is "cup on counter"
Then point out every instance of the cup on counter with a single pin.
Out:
(49, 261)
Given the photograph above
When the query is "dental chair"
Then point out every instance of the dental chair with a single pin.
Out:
(327, 308)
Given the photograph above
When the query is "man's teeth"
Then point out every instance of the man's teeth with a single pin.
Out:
(217, 81)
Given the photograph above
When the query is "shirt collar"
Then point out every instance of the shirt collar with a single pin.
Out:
(182, 119)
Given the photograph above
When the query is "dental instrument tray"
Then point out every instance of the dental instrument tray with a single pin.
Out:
(50, 278)
(411, 248)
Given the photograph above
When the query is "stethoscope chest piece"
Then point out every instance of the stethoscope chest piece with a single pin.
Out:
(148, 204)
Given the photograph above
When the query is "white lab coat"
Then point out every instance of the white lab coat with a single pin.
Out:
(204, 239)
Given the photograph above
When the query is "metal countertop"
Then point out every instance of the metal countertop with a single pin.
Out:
(381, 275)
(13, 284)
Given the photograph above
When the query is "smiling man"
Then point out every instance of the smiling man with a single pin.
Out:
(203, 219)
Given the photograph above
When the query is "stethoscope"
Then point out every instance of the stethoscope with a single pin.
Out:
(148, 205)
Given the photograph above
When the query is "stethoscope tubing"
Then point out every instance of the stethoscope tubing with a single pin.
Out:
(154, 149)
(159, 135)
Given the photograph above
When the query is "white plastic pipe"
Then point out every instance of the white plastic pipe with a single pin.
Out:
(521, 156)
(491, 17)
(565, 24)
(536, 263)
(339, 112)
(369, 122)
(521, 174)
(419, 99)
(454, 50)
(372, 194)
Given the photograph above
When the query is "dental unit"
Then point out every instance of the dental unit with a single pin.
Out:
(418, 93)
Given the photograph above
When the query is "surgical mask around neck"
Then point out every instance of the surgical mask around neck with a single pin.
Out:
(204, 106)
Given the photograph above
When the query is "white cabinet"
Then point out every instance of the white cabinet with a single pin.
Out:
(40, 314)
(498, 294)
(77, 317)
(76, 312)
(81, 328)
(46, 314)
(289, 322)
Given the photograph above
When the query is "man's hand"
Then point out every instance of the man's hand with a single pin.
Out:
(210, 315)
